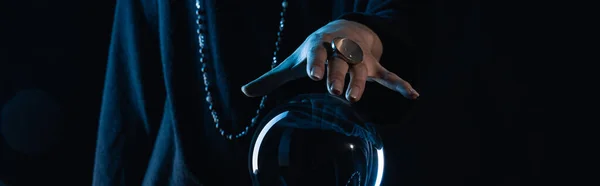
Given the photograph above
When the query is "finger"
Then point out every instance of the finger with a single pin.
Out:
(316, 56)
(336, 75)
(358, 80)
(273, 79)
(394, 82)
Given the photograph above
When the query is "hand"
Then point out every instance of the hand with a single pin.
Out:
(309, 60)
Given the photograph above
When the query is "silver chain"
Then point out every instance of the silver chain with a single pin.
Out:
(201, 30)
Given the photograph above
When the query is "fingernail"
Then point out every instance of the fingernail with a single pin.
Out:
(245, 90)
(334, 89)
(316, 73)
(414, 93)
(353, 94)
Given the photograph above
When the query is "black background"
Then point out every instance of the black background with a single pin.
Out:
(489, 91)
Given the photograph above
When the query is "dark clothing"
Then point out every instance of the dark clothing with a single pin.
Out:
(155, 128)
(490, 72)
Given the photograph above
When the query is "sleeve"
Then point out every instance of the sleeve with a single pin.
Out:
(133, 81)
(389, 19)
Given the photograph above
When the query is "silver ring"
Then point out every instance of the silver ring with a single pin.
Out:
(347, 50)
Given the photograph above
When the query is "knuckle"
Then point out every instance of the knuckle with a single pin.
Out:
(360, 79)
(360, 69)
(316, 52)
(386, 75)
(314, 48)
(320, 36)
(406, 84)
(337, 76)
(357, 84)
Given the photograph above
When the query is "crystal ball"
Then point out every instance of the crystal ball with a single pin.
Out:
(316, 139)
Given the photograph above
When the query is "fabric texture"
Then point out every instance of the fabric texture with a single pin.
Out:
(155, 128)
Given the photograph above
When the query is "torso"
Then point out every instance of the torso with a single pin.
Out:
(240, 48)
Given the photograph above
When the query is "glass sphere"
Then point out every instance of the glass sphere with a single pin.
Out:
(316, 139)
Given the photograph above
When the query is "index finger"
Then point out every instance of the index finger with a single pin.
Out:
(283, 73)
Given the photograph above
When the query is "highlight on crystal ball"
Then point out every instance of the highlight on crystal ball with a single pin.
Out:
(316, 140)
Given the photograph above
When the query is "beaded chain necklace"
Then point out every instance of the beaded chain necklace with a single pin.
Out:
(201, 31)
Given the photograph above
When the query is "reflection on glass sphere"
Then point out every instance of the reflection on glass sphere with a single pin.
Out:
(316, 139)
